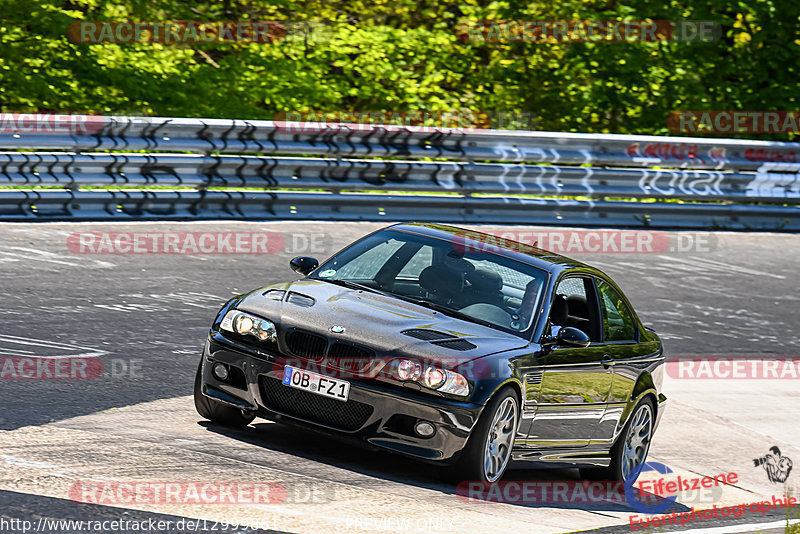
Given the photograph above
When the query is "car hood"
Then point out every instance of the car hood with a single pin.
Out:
(375, 322)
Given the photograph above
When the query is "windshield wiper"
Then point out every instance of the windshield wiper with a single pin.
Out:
(444, 309)
(353, 285)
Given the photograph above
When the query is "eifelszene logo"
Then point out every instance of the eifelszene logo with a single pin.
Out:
(657, 494)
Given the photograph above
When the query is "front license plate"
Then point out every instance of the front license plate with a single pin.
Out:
(319, 384)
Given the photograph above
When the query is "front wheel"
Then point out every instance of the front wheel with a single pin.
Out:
(630, 451)
(216, 411)
(488, 449)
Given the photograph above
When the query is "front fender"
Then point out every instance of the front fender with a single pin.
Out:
(489, 374)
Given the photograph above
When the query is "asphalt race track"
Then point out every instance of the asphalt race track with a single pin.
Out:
(145, 316)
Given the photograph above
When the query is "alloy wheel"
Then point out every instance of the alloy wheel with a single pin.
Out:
(637, 440)
(500, 440)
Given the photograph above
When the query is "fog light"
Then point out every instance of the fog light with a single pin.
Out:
(220, 371)
(424, 429)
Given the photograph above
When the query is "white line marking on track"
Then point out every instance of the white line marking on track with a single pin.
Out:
(26, 463)
(49, 257)
(15, 352)
(73, 351)
(16, 256)
(704, 264)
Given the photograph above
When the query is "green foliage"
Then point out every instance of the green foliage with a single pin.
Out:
(404, 55)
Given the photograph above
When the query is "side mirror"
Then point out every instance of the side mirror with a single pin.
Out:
(303, 264)
(572, 337)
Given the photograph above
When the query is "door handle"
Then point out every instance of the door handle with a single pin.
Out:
(607, 361)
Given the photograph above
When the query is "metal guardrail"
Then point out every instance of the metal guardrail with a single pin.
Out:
(362, 172)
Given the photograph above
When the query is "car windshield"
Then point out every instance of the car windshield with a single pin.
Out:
(476, 285)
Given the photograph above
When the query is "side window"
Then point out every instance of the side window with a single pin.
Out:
(617, 319)
(572, 307)
(572, 286)
(423, 258)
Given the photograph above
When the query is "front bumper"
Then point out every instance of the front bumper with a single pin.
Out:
(380, 415)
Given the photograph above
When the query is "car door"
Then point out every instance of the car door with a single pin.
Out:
(620, 332)
(567, 389)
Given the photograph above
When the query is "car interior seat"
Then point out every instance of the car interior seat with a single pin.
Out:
(485, 287)
(559, 311)
(578, 314)
(443, 284)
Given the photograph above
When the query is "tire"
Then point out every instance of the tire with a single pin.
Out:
(631, 448)
(501, 413)
(215, 411)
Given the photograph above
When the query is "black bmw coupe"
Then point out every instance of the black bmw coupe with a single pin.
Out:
(447, 345)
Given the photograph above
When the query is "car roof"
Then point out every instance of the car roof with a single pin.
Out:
(537, 257)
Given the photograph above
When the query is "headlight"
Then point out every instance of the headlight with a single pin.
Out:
(244, 323)
(455, 383)
(408, 370)
(432, 377)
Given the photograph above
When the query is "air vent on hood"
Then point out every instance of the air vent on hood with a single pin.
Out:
(456, 344)
(274, 294)
(301, 300)
(427, 335)
(441, 339)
